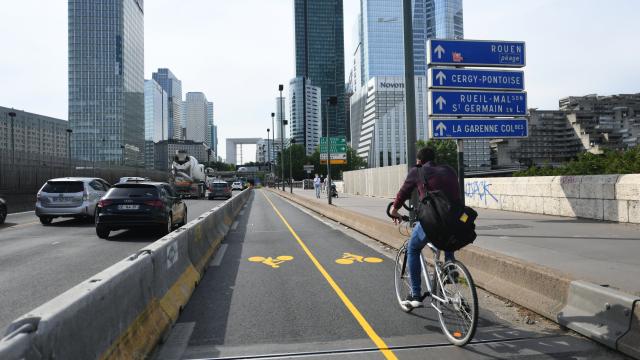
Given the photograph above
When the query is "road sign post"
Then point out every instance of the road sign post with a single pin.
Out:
(476, 103)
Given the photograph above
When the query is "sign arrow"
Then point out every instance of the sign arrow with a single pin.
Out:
(440, 101)
(441, 128)
(441, 77)
(439, 50)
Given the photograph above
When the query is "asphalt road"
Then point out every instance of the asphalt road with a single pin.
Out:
(38, 263)
(247, 306)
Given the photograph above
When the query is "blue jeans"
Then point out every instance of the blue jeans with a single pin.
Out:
(417, 242)
(317, 191)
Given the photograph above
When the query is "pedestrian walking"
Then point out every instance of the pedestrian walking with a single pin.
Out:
(316, 185)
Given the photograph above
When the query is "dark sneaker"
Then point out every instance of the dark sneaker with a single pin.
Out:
(412, 301)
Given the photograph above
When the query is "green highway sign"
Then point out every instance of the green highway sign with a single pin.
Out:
(337, 140)
(334, 148)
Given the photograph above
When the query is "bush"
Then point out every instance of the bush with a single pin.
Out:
(610, 162)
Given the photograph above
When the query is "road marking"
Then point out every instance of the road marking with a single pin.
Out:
(377, 340)
(55, 243)
(24, 225)
(23, 212)
(217, 260)
(269, 261)
(234, 225)
(177, 342)
(349, 258)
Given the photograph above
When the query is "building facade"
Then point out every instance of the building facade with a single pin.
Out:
(449, 23)
(319, 42)
(305, 113)
(30, 138)
(378, 125)
(197, 118)
(156, 125)
(106, 80)
(173, 87)
(165, 151)
(210, 136)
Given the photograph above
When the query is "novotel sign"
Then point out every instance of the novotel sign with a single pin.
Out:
(390, 85)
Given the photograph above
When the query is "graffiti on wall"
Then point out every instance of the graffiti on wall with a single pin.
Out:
(480, 189)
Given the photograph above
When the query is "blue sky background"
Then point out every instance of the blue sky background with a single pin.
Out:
(237, 52)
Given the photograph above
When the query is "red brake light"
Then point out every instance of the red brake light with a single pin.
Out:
(104, 203)
(154, 203)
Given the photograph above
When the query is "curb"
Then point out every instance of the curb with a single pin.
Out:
(605, 315)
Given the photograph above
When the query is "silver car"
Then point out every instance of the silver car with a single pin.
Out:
(70, 197)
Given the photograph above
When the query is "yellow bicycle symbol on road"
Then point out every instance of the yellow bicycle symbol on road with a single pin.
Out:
(349, 258)
(269, 261)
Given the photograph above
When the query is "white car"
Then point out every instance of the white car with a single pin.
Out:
(237, 185)
(132, 179)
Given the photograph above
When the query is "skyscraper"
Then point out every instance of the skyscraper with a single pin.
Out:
(173, 87)
(305, 117)
(106, 80)
(448, 19)
(197, 118)
(319, 42)
(155, 119)
(210, 136)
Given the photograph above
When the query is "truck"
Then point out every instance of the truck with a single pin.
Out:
(188, 176)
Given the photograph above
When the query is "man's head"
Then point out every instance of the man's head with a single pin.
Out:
(425, 155)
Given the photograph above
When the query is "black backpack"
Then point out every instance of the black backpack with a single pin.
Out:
(449, 225)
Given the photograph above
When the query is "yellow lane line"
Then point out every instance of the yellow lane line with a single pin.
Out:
(382, 346)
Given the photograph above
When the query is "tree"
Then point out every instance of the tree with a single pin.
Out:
(298, 160)
(609, 162)
(354, 162)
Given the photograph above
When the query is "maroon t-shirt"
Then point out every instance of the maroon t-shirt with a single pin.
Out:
(441, 177)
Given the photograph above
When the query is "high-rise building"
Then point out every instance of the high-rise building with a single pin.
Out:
(214, 140)
(448, 19)
(305, 116)
(378, 126)
(106, 80)
(209, 140)
(173, 87)
(281, 104)
(30, 138)
(319, 41)
(156, 125)
(197, 128)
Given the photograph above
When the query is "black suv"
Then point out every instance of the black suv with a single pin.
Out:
(138, 205)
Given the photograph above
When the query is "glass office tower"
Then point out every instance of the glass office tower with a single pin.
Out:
(155, 119)
(319, 41)
(106, 80)
(173, 86)
(448, 18)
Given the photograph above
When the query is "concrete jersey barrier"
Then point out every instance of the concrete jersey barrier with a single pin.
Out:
(605, 315)
(123, 311)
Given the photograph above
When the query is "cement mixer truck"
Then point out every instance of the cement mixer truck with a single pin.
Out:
(187, 176)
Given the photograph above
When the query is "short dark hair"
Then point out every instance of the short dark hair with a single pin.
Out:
(426, 154)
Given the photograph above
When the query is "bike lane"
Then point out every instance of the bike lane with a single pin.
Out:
(328, 296)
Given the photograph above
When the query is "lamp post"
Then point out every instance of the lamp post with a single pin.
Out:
(273, 136)
(12, 115)
(69, 132)
(291, 143)
(269, 151)
(280, 88)
(331, 100)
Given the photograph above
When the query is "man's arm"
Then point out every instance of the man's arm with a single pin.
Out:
(410, 183)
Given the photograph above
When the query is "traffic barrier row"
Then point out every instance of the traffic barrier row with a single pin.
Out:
(125, 310)
(605, 315)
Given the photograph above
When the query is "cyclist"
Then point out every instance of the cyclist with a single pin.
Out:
(441, 177)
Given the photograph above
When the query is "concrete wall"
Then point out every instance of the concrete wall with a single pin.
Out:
(600, 197)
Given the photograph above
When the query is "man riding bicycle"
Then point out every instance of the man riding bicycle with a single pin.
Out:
(440, 177)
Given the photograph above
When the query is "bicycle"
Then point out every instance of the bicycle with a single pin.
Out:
(457, 308)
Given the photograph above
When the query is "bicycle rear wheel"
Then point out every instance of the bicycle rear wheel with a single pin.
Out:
(402, 280)
(458, 318)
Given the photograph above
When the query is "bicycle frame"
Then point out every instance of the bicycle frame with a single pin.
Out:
(438, 276)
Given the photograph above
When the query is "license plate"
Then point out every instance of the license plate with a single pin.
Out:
(61, 199)
(128, 207)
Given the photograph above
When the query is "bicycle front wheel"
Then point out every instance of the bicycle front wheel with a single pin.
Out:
(459, 315)
(402, 280)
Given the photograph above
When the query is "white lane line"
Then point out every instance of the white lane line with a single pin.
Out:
(19, 213)
(177, 343)
(217, 260)
(55, 243)
(234, 226)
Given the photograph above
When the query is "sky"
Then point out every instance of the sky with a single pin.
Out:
(238, 51)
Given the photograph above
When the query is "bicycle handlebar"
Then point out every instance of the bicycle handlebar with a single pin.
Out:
(401, 217)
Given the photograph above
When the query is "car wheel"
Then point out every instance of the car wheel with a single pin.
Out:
(102, 232)
(46, 220)
(3, 214)
(167, 227)
(184, 218)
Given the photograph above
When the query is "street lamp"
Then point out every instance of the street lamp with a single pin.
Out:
(291, 143)
(69, 131)
(12, 115)
(273, 136)
(331, 100)
(280, 88)
(269, 151)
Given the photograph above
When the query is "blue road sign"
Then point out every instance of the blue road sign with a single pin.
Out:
(478, 128)
(447, 78)
(476, 53)
(477, 103)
